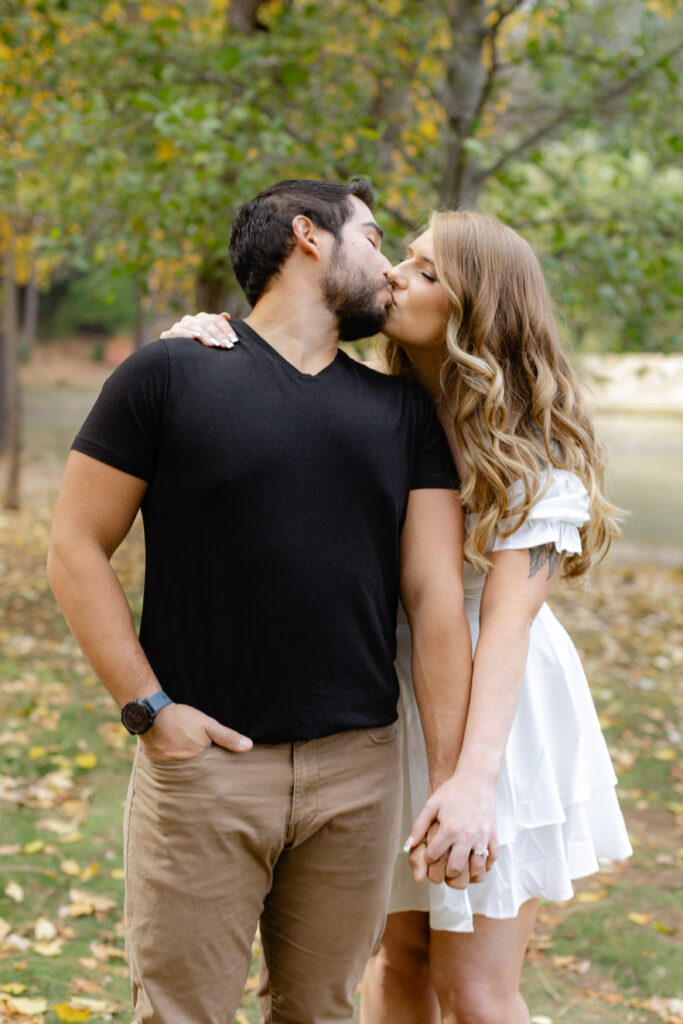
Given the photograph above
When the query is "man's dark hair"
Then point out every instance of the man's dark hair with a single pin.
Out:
(262, 238)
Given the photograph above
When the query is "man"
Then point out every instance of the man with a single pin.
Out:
(277, 494)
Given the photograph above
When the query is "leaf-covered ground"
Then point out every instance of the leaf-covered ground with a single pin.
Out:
(611, 955)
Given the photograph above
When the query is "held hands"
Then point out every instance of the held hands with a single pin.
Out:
(212, 329)
(454, 837)
(180, 732)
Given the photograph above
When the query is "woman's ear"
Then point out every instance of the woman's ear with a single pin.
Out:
(307, 235)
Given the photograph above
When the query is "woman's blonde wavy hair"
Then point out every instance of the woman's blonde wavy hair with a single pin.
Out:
(516, 402)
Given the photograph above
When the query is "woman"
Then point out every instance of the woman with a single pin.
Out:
(472, 322)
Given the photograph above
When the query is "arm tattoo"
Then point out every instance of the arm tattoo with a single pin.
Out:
(539, 556)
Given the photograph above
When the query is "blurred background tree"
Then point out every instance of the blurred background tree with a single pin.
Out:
(131, 132)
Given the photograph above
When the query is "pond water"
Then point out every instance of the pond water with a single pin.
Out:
(646, 475)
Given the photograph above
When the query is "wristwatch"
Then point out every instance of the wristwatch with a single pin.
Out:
(138, 715)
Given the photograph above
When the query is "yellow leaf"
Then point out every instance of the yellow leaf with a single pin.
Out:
(70, 867)
(639, 919)
(665, 755)
(28, 1007)
(119, 874)
(429, 130)
(80, 909)
(72, 837)
(35, 846)
(91, 870)
(14, 988)
(166, 150)
(66, 1012)
(663, 927)
(86, 761)
(49, 948)
(592, 897)
(562, 961)
(36, 752)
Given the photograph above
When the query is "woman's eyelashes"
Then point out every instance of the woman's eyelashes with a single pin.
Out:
(428, 276)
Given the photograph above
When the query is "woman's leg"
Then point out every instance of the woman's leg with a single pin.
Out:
(476, 974)
(396, 985)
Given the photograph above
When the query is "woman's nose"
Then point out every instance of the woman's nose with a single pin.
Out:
(396, 277)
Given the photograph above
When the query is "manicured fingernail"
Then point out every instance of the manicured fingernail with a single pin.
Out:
(408, 845)
(244, 743)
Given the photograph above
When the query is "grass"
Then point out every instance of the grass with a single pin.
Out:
(611, 955)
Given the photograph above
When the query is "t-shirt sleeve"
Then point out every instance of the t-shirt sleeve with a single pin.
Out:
(122, 428)
(433, 464)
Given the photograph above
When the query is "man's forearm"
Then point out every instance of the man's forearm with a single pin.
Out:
(97, 611)
(442, 673)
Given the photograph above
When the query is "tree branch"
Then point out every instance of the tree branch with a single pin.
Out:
(568, 111)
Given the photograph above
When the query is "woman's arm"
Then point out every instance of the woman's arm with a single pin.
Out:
(518, 583)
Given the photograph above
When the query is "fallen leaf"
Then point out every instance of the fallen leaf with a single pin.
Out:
(54, 948)
(14, 988)
(67, 1012)
(20, 1004)
(15, 892)
(86, 761)
(44, 929)
(661, 926)
(640, 919)
(35, 846)
(592, 897)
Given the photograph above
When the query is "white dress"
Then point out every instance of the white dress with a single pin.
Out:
(557, 809)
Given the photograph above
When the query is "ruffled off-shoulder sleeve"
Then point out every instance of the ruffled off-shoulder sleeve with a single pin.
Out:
(555, 518)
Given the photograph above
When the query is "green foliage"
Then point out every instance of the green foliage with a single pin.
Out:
(94, 303)
(157, 119)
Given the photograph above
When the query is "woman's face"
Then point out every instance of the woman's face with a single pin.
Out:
(419, 310)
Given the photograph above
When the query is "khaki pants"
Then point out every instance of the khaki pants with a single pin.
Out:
(299, 836)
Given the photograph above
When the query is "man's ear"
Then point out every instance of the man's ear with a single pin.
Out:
(307, 235)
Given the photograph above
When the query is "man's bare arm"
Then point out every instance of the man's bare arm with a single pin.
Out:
(432, 595)
(95, 511)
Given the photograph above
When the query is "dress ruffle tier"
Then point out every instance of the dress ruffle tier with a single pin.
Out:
(556, 802)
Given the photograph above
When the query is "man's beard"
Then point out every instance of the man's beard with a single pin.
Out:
(353, 301)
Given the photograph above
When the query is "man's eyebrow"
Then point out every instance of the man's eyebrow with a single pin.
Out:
(375, 227)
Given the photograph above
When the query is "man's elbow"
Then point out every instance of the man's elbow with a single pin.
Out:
(69, 557)
(436, 599)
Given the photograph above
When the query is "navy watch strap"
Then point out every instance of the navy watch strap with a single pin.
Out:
(157, 701)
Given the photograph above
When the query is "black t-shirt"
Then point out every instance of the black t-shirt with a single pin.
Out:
(272, 523)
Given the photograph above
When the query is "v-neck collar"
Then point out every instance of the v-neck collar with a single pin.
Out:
(281, 360)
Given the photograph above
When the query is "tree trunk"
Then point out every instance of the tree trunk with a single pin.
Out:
(28, 338)
(212, 294)
(242, 16)
(464, 88)
(12, 386)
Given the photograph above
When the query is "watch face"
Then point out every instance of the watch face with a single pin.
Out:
(136, 717)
